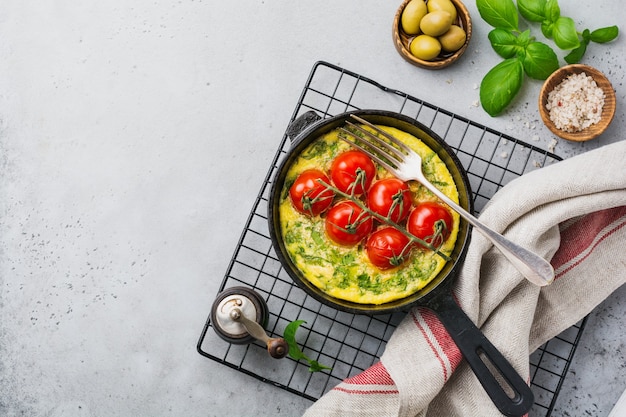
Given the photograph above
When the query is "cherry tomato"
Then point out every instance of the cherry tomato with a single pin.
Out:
(388, 248)
(352, 172)
(347, 224)
(391, 198)
(431, 222)
(308, 195)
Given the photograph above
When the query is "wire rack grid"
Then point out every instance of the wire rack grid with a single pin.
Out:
(350, 343)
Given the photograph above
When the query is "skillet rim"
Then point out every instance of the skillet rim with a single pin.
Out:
(439, 285)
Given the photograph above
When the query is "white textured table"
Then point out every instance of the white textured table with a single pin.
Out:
(134, 137)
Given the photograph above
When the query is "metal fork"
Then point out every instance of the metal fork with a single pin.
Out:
(406, 164)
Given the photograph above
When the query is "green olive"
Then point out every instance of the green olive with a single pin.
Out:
(425, 47)
(412, 15)
(436, 23)
(453, 39)
(445, 5)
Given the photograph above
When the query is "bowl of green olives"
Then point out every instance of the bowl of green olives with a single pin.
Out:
(432, 34)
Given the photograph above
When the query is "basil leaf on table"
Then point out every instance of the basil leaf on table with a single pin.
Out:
(564, 33)
(540, 61)
(290, 337)
(532, 10)
(547, 28)
(498, 13)
(604, 35)
(551, 11)
(294, 350)
(586, 35)
(500, 85)
(504, 43)
(315, 366)
(577, 54)
(524, 38)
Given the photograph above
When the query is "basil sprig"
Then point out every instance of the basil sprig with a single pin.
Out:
(562, 29)
(294, 350)
(500, 85)
(602, 35)
(522, 53)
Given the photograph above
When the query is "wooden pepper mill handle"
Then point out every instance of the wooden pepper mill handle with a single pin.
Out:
(276, 346)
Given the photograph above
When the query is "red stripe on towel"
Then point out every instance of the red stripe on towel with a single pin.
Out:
(363, 391)
(439, 341)
(375, 374)
(580, 238)
(373, 377)
(443, 338)
(581, 233)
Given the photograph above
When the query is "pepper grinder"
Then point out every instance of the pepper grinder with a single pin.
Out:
(239, 315)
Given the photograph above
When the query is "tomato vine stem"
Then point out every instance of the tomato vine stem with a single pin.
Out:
(387, 220)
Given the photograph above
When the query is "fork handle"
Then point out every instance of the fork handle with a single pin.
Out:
(536, 269)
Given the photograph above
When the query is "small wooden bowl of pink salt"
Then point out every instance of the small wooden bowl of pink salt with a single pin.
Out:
(577, 102)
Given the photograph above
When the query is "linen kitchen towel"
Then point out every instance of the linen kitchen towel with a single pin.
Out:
(573, 213)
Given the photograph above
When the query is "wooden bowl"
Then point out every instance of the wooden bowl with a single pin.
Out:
(608, 111)
(401, 40)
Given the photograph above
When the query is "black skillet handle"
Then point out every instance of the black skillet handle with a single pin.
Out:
(302, 122)
(506, 388)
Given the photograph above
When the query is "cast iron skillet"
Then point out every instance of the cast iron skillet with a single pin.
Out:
(511, 395)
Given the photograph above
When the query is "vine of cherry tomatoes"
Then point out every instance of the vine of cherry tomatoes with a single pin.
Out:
(341, 195)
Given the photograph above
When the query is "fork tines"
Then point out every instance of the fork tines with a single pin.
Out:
(381, 151)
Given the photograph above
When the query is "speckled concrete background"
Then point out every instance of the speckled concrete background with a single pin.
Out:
(133, 140)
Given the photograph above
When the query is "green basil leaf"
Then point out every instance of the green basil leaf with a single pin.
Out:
(498, 13)
(604, 35)
(294, 350)
(524, 38)
(533, 10)
(564, 33)
(547, 28)
(315, 366)
(503, 42)
(586, 35)
(500, 85)
(290, 337)
(552, 11)
(540, 61)
(576, 54)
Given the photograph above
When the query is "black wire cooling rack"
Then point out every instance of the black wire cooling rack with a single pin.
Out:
(351, 343)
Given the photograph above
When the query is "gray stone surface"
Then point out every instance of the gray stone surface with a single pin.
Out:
(134, 137)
